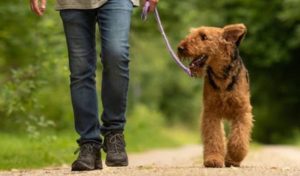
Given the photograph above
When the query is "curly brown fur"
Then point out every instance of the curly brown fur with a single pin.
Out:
(213, 53)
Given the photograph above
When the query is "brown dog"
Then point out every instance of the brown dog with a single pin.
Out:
(214, 54)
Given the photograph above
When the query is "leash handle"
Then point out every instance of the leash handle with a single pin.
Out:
(162, 31)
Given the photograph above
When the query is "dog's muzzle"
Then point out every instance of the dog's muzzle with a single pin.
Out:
(198, 62)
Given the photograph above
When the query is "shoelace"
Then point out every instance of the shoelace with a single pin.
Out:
(117, 141)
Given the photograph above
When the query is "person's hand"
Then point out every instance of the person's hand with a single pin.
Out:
(38, 6)
(153, 4)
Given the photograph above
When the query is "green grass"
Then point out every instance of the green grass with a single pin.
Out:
(21, 151)
(145, 130)
(55, 149)
(165, 138)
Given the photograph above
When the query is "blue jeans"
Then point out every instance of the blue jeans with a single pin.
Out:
(113, 19)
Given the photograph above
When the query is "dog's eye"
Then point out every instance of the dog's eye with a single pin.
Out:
(203, 37)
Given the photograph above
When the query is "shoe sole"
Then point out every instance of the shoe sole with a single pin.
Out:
(116, 163)
(98, 165)
(80, 166)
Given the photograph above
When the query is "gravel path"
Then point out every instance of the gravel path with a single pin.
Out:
(187, 161)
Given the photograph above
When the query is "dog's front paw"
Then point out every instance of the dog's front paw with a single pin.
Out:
(214, 162)
(233, 160)
(230, 163)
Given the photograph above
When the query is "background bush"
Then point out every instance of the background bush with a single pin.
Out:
(34, 77)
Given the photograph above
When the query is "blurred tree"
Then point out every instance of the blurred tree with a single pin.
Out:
(34, 68)
(31, 67)
(271, 51)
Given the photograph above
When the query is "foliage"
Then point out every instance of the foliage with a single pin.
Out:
(34, 67)
(271, 50)
(18, 99)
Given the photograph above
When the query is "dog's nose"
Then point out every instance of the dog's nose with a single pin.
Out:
(180, 49)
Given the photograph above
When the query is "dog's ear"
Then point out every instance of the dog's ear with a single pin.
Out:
(234, 33)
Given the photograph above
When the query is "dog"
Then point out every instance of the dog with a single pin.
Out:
(213, 53)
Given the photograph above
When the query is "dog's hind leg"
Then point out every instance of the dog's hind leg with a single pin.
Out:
(213, 139)
(239, 139)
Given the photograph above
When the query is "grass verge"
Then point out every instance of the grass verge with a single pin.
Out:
(146, 129)
(19, 151)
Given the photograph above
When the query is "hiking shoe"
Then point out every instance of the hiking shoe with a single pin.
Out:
(89, 157)
(114, 146)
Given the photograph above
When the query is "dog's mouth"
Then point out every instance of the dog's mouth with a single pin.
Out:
(198, 61)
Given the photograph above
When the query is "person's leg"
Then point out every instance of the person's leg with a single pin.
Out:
(79, 27)
(114, 23)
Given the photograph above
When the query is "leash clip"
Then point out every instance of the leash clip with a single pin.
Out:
(146, 8)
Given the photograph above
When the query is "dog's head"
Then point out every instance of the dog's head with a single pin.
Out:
(210, 45)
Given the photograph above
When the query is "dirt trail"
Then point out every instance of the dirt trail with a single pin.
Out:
(187, 161)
